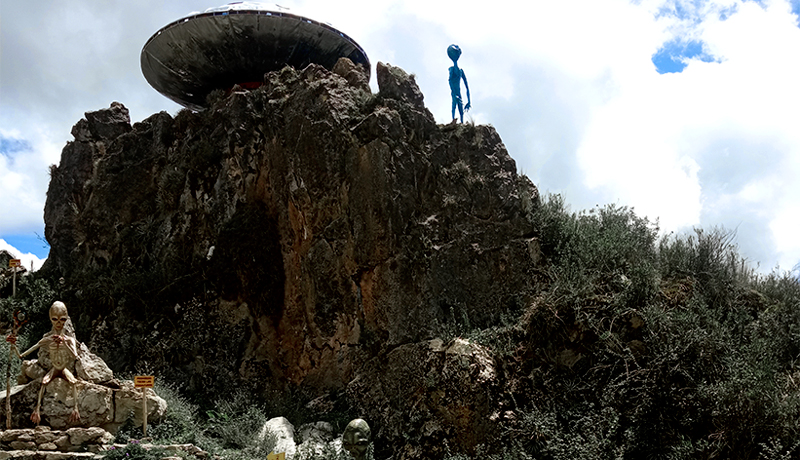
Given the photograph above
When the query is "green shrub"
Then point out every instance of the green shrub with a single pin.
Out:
(134, 451)
(647, 347)
(180, 425)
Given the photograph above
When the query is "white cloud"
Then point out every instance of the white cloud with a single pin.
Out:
(23, 181)
(27, 258)
(684, 146)
(568, 84)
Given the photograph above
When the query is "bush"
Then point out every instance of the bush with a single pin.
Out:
(647, 347)
(134, 451)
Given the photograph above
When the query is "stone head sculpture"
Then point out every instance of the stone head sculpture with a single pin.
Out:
(356, 437)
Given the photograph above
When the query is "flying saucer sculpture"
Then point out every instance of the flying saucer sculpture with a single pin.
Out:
(237, 44)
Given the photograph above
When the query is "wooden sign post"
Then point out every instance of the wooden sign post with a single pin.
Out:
(19, 321)
(144, 382)
(14, 263)
(273, 456)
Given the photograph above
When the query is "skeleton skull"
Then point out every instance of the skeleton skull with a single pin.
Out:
(62, 349)
(58, 316)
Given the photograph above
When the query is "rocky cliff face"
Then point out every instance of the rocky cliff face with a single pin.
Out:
(305, 234)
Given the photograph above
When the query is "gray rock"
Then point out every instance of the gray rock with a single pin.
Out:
(451, 389)
(81, 131)
(99, 406)
(318, 432)
(395, 83)
(355, 75)
(107, 124)
(91, 367)
(22, 445)
(93, 435)
(283, 431)
(317, 441)
(345, 226)
(128, 402)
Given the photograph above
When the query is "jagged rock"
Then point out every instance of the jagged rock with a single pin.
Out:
(81, 131)
(107, 124)
(451, 391)
(128, 403)
(99, 406)
(316, 440)
(44, 443)
(355, 75)
(31, 370)
(91, 367)
(93, 435)
(319, 432)
(22, 445)
(283, 431)
(344, 226)
(44, 435)
(395, 83)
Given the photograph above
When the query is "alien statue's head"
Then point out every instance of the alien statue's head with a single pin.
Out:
(454, 52)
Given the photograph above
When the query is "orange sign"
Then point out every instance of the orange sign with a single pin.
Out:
(144, 381)
(14, 263)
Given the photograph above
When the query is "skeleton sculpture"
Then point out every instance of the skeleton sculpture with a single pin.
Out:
(62, 349)
(355, 438)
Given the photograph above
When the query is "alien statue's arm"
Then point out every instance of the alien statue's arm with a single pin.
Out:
(72, 346)
(29, 350)
(466, 85)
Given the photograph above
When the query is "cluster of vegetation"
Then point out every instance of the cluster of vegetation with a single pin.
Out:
(648, 347)
(637, 346)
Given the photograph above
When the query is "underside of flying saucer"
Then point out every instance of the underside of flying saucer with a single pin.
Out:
(191, 57)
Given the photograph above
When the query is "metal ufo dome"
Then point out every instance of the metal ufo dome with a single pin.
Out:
(237, 44)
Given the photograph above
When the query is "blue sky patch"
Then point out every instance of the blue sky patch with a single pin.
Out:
(725, 13)
(672, 57)
(796, 9)
(9, 146)
(682, 10)
(29, 242)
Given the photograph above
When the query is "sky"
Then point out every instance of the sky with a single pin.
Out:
(687, 111)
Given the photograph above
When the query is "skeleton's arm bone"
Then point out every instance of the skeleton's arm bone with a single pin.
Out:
(30, 350)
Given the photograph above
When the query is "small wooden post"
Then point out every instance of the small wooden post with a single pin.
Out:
(19, 320)
(144, 382)
(8, 390)
(144, 412)
(14, 263)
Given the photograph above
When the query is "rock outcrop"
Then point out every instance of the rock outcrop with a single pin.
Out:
(43, 443)
(103, 401)
(45, 440)
(308, 233)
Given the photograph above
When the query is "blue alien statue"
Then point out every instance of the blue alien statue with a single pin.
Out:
(456, 75)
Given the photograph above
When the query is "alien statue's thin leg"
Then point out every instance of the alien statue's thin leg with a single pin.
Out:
(75, 416)
(36, 415)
